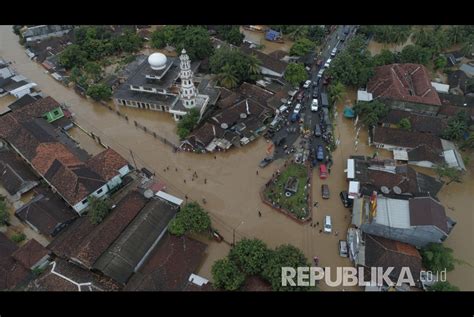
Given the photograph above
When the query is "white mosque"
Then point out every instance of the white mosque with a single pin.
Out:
(161, 83)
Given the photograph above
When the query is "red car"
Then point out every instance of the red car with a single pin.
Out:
(323, 171)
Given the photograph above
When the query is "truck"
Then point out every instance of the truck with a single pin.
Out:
(324, 100)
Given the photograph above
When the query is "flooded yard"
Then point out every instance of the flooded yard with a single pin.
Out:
(232, 184)
(259, 39)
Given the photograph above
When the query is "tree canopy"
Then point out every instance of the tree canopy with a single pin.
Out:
(385, 57)
(451, 174)
(405, 124)
(457, 126)
(436, 257)
(230, 33)
(415, 54)
(187, 123)
(295, 73)
(99, 92)
(283, 256)
(371, 112)
(195, 39)
(98, 209)
(191, 218)
(226, 275)
(250, 255)
(353, 66)
(4, 215)
(387, 33)
(234, 67)
(301, 47)
(337, 92)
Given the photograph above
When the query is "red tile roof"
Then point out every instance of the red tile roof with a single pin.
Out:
(36, 109)
(406, 82)
(107, 163)
(46, 153)
(30, 253)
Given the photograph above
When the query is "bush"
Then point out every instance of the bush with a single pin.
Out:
(301, 47)
(437, 257)
(18, 237)
(187, 123)
(295, 74)
(99, 92)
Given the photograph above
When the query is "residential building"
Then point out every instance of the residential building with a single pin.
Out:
(15, 175)
(12, 273)
(270, 66)
(417, 221)
(46, 213)
(468, 69)
(374, 252)
(404, 82)
(419, 123)
(62, 276)
(163, 272)
(40, 32)
(32, 255)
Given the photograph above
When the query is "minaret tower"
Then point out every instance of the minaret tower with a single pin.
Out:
(187, 93)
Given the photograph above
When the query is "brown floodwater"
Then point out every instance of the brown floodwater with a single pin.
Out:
(376, 47)
(259, 38)
(232, 188)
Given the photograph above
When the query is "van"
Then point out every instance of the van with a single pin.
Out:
(327, 224)
(283, 108)
(334, 51)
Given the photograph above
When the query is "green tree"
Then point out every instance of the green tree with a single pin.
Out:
(93, 70)
(296, 32)
(457, 126)
(295, 73)
(455, 34)
(230, 33)
(385, 57)
(451, 174)
(337, 91)
(234, 67)
(405, 124)
(443, 287)
(469, 142)
(4, 215)
(283, 256)
(226, 77)
(397, 34)
(353, 66)
(371, 112)
(226, 275)
(98, 209)
(72, 56)
(301, 47)
(191, 218)
(415, 54)
(316, 34)
(440, 62)
(470, 85)
(250, 255)
(432, 40)
(187, 123)
(163, 36)
(99, 92)
(196, 41)
(18, 237)
(436, 257)
(128, 42)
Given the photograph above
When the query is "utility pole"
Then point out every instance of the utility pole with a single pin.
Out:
(133, 158)
(233, 235)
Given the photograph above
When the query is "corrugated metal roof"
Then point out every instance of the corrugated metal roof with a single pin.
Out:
(393, 212)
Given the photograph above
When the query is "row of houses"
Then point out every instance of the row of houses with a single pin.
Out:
(395, 208)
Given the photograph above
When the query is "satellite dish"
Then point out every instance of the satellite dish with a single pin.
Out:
(224, 126)
(148, 193)
(385, 189)
(243, 115)
(397, 190)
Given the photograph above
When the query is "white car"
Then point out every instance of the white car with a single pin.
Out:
(320, 73)
(297, 108)
(328, 62)
(314, 105)
(307, 83)
(327, 224)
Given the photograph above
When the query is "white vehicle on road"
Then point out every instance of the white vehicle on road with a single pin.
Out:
(327, 224)
(297, 108)
(328, 62)
(314, 105)
(307, 83)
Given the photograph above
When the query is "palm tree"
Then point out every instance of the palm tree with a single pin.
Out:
(337, 92)
(254, 65)
(298, 31)
(454, 34)
(227, 78)
(455, 129)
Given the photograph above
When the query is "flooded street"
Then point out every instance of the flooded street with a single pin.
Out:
(259, 38)
(376, 47)
(232, 189)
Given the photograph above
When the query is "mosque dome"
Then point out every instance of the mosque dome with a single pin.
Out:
(157, 61)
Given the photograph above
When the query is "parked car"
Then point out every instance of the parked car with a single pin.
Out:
(327, 224)
(320, 153)
(343, 248)
(320, 73)
(307, 84)
(297, 108)
(323, 171)
(346, 201)
(283, 108)
(317, 130)
(333, 52)
(314, 105)
(325, 191)
(328, 62)
(266, 161)
(315, 92)
(294, 117)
